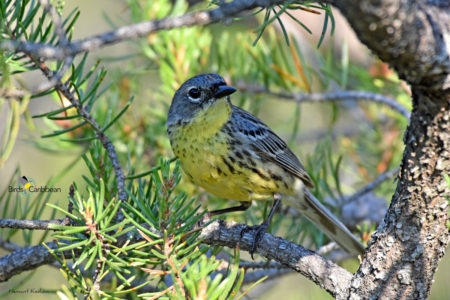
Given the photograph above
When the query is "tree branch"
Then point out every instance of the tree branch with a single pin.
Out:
(26, 259)
(226, 10)
(326, 97)
(373, 184)
(321, 271)
(30, 224)
(8, 246)
(102, 137)
(12, 93)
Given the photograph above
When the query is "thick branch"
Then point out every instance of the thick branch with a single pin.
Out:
(321, 271)
(26, 259)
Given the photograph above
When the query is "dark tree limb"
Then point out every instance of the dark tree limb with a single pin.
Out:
(321, 271)
(25, 259)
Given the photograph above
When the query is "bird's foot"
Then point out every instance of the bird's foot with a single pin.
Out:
(260, 231)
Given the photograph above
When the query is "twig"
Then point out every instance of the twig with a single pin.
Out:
(56, 20)
(325, 249)
(102, 137)
(96, 281)
(12, 93)
(326, 97)
(63, 41)
(55, 82)
(30, 224)
(373, 184)
(254, 276)
(8, 246)
(67, 220)
(56, 78)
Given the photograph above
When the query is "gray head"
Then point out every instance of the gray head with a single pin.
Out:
(196, 95)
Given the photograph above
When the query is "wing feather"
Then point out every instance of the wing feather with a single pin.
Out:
(268, 145)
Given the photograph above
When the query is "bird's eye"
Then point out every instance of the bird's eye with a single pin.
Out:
(194, 94)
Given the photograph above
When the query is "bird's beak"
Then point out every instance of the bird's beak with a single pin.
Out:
(224, 90)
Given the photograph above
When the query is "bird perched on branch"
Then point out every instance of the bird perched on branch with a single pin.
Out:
(232, 154)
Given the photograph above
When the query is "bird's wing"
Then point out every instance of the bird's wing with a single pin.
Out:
(268, 145)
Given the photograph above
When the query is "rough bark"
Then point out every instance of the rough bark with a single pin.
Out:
(25, 259)
(414, 38)
(321, 271)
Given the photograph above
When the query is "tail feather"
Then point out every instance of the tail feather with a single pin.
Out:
(328, 223)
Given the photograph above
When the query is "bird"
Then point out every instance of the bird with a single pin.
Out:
(26, 183)
(233, 155)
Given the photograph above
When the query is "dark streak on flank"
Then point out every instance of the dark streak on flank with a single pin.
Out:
(190, 176)
(219, 170)
(226, 128)
(260, 174)
(242, 164)
(233, 160)
(234, 142)
(246, 153)
(230, 167)
(238, 155)
(251, 162)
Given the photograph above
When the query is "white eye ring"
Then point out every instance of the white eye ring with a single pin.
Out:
(194, 94)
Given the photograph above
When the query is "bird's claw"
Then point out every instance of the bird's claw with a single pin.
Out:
(260, 231)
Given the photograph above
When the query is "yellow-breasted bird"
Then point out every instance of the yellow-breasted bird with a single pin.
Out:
(232, 154)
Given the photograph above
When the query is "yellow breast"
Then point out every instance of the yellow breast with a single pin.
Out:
(208, 160)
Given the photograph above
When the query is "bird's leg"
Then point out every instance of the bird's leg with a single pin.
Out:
(209, 214)
(262, 228)
(243, 206)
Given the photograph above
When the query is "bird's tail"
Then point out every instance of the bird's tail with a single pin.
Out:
(327, 222)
